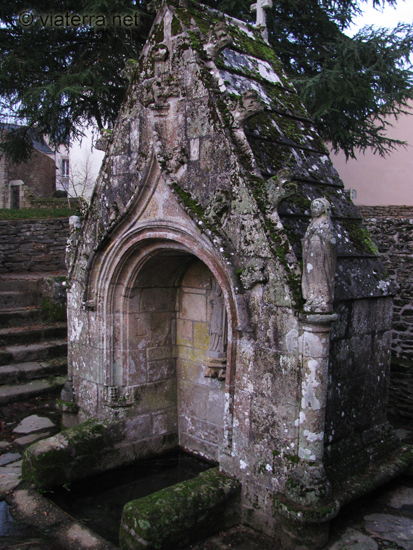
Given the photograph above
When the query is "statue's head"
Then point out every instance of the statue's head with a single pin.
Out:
(75, 223)
(320, 207)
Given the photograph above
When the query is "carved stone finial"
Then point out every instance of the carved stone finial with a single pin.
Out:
(319, 259)
(259, 7)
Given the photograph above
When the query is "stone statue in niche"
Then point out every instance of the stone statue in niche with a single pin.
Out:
(319, 259)
(217, 351)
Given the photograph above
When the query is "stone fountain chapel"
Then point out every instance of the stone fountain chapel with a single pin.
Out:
(187, 323)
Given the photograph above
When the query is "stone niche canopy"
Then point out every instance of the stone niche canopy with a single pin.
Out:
(187, 324)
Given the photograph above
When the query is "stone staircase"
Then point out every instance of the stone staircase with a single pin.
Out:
(33, 349)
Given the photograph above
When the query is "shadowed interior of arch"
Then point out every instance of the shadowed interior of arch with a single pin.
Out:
(170, 346)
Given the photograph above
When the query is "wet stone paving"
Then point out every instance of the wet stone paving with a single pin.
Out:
(382, 520)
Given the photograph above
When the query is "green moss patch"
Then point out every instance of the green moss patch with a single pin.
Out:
(178, 515)
(73, 454)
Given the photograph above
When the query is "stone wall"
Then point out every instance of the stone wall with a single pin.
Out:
(392, 230)
(201, 399)
(33, 245)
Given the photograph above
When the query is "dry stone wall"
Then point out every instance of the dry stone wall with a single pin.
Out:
(33, 245)
(392, 229)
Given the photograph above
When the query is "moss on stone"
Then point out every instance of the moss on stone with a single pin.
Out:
(56, 311)
(359, 236)
(62, 458)
(176, 27)
(178, 515)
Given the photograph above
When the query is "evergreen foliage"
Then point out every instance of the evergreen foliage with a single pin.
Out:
(57, 80)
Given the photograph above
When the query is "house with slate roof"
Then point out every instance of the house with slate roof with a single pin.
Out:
(35, 178)
(187, 325)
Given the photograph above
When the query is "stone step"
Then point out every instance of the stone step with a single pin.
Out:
(32, 333)
(12, 393)
(17, 317)
(11, 298)
(32, 352)
(19, 285)
(23, 372)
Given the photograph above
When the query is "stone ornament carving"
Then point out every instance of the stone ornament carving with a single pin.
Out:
(245, 107)
(218, 39)
(72, 241)
(319, 259)
(280, 187)
(217, 351)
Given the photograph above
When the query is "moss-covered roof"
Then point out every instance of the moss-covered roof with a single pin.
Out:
(283, 136)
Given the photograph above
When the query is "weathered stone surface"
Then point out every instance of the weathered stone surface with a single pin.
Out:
(7, 458)
(189, 208)
(392, 528)
(354, 540)
(10, 477)
(32, 424)
(402, 497)
(31, 508)
(30, 247)
(181, 514)
(31, 438)
(392, 230)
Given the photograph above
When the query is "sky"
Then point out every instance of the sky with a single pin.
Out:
(389, 17)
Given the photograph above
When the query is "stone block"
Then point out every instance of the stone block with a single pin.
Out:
(193, 400)
(136, 367)
(159, 370)
(201, 430)
(201, 336)
(192, 354)
(155, 397)
(138, 428)
(178, 515)
(184, 334)
(161, 352)
(164, 422)
(158, 299)
(195, 371)
(198, 446)
(193, 307)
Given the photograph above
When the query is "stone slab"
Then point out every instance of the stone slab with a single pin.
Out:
(32, 424)
(30, 438)
(354, 540)
(402, 497)
(7, 458)
(391, 528)
(9, 477)
(13, 393)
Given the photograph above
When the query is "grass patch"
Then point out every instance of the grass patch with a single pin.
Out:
(36, 213)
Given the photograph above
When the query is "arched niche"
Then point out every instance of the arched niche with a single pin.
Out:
(169, 347)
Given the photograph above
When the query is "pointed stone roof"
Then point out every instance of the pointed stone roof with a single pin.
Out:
(199, 60)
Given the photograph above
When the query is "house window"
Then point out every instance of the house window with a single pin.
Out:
(15, 197)
(65, 168)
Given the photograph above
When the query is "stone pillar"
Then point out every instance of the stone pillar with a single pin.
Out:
(308, 486)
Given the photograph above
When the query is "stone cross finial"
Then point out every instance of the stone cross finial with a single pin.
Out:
(259, 7)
